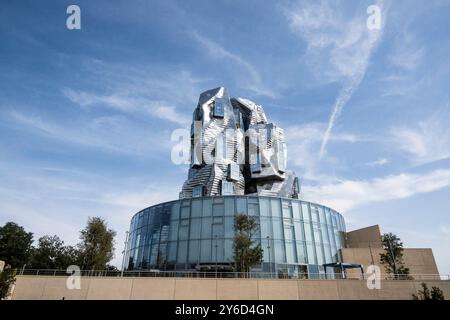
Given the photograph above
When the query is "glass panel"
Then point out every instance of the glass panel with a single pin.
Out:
(173, 232)
(298, 230)
(291, 252)
(301, 252)
(229, 227)
(264, 206)
(205, 255)
(286, 209)
(196, 208)
(277, 229)
(276, 211)
(289, 232)
(217, 230)
(314, 214)
(308, 232)
(305, 211)
(296, 210)
(207, 207)
(185, 212)
(206, 228)
(253, 209)
(322, 218)
(182, 251)
(194, 251)
(175, 215)
(172, 251)
(183, 232)
(229, 206)
(266, 228)
(228, 251)
(279, 251)
(218, 210)
(217, 250)
(195, 229)
(241, 205)
(310, 253)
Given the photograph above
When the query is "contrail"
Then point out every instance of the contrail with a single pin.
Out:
(352, 84)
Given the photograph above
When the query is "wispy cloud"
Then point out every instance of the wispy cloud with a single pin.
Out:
(217, 51)
(345, 42)
(377, 163)
(349, 194)
(427, 141)
(109, 133)
(303, 143)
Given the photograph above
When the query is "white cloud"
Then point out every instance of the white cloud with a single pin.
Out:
(428, 141)
(216, 51)
(340, 47)
(303, 143)
(377, 163)
(348, 194)
(111, 134)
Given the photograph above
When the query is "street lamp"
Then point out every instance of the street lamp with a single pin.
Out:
(268, 251)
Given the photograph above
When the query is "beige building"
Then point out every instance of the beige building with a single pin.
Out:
(363, 246)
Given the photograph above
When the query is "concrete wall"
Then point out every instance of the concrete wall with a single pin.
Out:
(48, 287)
(419, 261)
(364, 237)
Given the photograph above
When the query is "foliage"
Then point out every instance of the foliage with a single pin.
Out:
(392, 257)
(7, 278)
(425, 294)
(97, 245)
(15, 245)
(246, 253)
(51, 253)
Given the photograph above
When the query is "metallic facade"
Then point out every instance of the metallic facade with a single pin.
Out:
(197, 234)
(236, 151)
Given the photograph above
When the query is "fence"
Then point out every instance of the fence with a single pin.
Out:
(221, 274)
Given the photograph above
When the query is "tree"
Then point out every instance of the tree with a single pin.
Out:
(97, 245)
(15, 245)
(246, 253)
(392, 258)
(7, 279)
(425, 294)
(51, 253)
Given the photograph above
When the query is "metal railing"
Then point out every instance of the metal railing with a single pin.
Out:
(221, 274)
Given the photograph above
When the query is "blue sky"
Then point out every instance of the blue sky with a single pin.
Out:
(86, 115)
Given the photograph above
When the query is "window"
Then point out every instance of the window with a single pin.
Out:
(219, 108)
(233, 171)
(175, 215)
(197, 191)
(253, 209)
(183, 232)
(227, 188)
(301, 252)
(229, 227)
(291, 252)
(277, 229)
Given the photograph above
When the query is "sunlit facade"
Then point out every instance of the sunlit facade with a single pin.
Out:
(196, 234)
